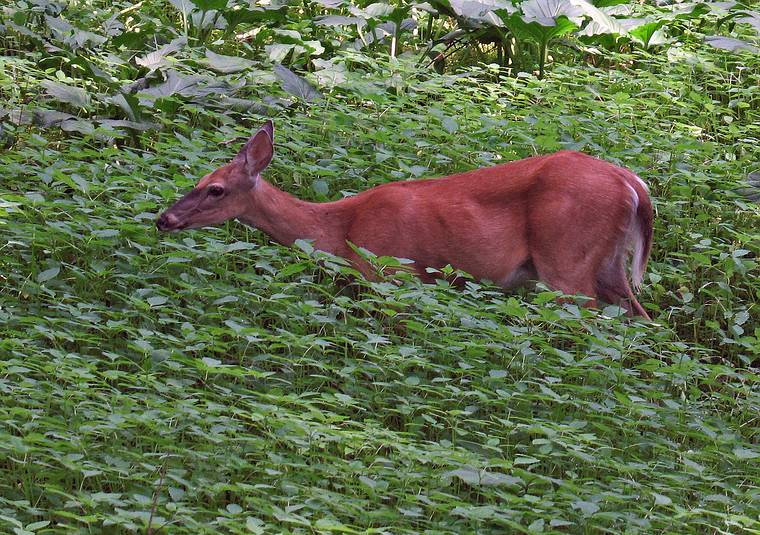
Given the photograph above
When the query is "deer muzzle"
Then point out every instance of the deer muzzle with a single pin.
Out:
(168, 222)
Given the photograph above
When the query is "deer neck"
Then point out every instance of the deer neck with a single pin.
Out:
(285, 218)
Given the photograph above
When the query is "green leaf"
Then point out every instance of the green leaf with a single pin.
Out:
(330, 4)
(187, 86)
(72, 36)
(130, 105)
(211, 363)
(208, 5)
(48, 274)
(587, 508)
(254, 525)
(239, 246)
(534, 31)
(752, 18)
(154, 60)
(746, 453)
(278, 52)
(660, 499)
(537, 526)
(378, 10)
(483, 478)
(305, 246)
(320, 187)
(227, 64)
(176, 493)
(645, 32)
(185, 7)
(547, 12)
(608, 3)
(235, 326)
(292, 269)
(265, 14)
(335, 20)
(730, 44)
(234, 509)
(156, 300)
(450, 124)
(329, 73)
(524, 459)
(295, 85)
(482, 11)
(66, 93)
(34, 526)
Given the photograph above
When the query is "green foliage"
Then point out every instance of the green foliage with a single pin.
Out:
(211, 381)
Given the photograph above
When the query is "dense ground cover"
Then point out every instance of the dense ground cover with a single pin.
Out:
(211, 381)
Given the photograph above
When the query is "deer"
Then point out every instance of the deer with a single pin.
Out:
(567, 219)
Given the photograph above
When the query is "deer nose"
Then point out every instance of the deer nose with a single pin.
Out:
(166, 222)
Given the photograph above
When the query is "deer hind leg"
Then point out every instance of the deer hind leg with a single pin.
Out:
(613, 287)
(573, 276)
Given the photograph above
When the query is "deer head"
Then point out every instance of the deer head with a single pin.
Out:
(223, 194)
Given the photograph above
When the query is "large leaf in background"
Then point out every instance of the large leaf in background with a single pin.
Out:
(537, 32)
(295, 85)
(752, 18)
(43, 118)
(288, 36)
(136, 39)
(113, 27)
(278, 51)
(374, 11)
(174, 83)
(331, 4)
(130, 105)
(602, 23)
(329, 73)
(23, 30)
(40, 117)
(208, 19)
(339, 20)
(687, 10)
(185, 7)
(643, 30)
(544, 20)
(482, 11)
(154, 60)
(208, 5)
(607, 3)
(268, 108)
(729, 43)
(132, 125)
(752, 191)
(546, 12)
(258, 15)
(72, 36)
(381, 31)
(92, 71)
(291, 40)
(75, 96)
(620, 10)
(721, 7)
(187, 86)
(227, 64)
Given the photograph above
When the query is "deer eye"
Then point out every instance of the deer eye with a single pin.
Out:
(215, 190)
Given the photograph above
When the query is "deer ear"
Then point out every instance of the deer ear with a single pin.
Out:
(257, 152)
(268, 127)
